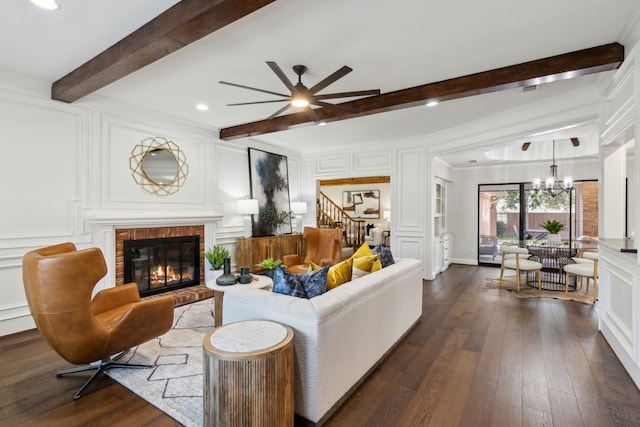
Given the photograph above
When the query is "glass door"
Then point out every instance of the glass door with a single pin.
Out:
(498, 220)
(513, 213)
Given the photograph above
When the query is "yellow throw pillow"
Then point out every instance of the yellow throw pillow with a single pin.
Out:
(338, 274)
(363, 250)
(365, 265)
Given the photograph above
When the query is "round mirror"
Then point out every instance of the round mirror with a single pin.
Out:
(160, 166)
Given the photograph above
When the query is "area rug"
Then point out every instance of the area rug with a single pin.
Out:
(174, 383)
(509, 285)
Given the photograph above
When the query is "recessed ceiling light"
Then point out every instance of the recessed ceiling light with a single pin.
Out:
(47, 4)
(202, 107)
(432, 103)
(322, 123)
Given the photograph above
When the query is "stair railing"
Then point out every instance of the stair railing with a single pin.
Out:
(330, 215)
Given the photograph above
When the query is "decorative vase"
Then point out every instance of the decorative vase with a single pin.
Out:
(212, 274)
(226, 278)
(553, 238)
(245, 275)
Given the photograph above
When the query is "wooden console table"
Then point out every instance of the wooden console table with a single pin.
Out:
(252, 250)
(248, 375)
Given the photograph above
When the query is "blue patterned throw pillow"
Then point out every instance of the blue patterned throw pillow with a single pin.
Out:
(305, 285)
(384, 255)
(315, 282)
(287, 283)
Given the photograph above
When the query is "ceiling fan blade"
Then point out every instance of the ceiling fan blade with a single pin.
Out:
(276, 69)
(257, 102)
(254, 88)
(335, 107)
(332, 78)
(348, 94)
(312, 114)
(280, 111)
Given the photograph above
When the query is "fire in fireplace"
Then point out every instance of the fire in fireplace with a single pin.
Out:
(163, 264)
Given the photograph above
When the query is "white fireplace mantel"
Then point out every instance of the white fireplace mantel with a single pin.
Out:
(103, 225)
(139, 219)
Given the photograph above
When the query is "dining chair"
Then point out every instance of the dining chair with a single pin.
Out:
(516, 258)
(584, 268)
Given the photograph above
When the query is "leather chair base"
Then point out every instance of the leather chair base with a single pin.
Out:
(104, 365)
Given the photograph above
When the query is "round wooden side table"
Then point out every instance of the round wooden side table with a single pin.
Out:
(248, 375)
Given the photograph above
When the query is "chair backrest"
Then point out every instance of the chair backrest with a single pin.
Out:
(591, 255)
(508, 249)
(58, 282)
(322, 243)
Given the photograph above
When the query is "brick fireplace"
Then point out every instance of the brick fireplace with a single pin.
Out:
(155, 233)
(111, 228)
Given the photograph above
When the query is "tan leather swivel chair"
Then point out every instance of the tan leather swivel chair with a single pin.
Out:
(324, 247)
(58, 281)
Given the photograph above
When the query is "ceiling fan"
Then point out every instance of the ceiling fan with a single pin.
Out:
(304, 97)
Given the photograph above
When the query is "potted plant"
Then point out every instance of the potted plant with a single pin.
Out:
(269, 264)
(216, 256)
(553, 227)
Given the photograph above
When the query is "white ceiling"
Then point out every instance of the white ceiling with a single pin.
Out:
(390, 45)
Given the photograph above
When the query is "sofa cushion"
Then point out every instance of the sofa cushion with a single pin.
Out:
(364, 265)
(384, 255)
(338, 274)
(305, 285)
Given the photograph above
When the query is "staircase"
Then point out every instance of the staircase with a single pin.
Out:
(330, 215)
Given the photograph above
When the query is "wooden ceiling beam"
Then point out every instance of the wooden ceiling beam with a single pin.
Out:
(560, 67)
(180, 25)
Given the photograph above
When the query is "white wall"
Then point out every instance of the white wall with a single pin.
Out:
(67, 168)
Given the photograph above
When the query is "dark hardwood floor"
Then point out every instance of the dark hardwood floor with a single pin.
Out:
(478, 357)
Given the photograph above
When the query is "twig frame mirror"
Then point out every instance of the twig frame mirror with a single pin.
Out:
(159, 166)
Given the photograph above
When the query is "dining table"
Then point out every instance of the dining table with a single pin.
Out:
(554, 257)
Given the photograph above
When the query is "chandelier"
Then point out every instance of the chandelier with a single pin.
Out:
(552, 184)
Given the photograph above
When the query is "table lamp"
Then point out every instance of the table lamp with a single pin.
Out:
(299, 208)
(247, 207)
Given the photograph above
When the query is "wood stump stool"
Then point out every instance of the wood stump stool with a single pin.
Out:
(248, 375)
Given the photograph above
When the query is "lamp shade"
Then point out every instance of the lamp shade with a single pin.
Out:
(386, 214)
(247, 207)
(299, 208)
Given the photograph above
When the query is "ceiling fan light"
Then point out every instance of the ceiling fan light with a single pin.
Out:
(46, 4)
(299, 102)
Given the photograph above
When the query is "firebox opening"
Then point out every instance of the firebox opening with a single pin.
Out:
(163, 264)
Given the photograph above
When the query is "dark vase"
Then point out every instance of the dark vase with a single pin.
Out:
(245, 275)
(226, 278)
(268, 273)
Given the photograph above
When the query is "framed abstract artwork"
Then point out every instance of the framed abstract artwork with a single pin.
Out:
(362, 204)
(269, 179)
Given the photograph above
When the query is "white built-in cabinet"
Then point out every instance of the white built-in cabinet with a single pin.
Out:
(442, 239)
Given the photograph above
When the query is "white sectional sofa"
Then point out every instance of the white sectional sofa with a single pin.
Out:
(338, 336)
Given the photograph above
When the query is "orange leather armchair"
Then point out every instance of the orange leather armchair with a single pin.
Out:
(324, 247)
(58, 281)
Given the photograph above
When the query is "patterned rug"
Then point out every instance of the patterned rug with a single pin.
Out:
(509, 285)
(174, 383)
